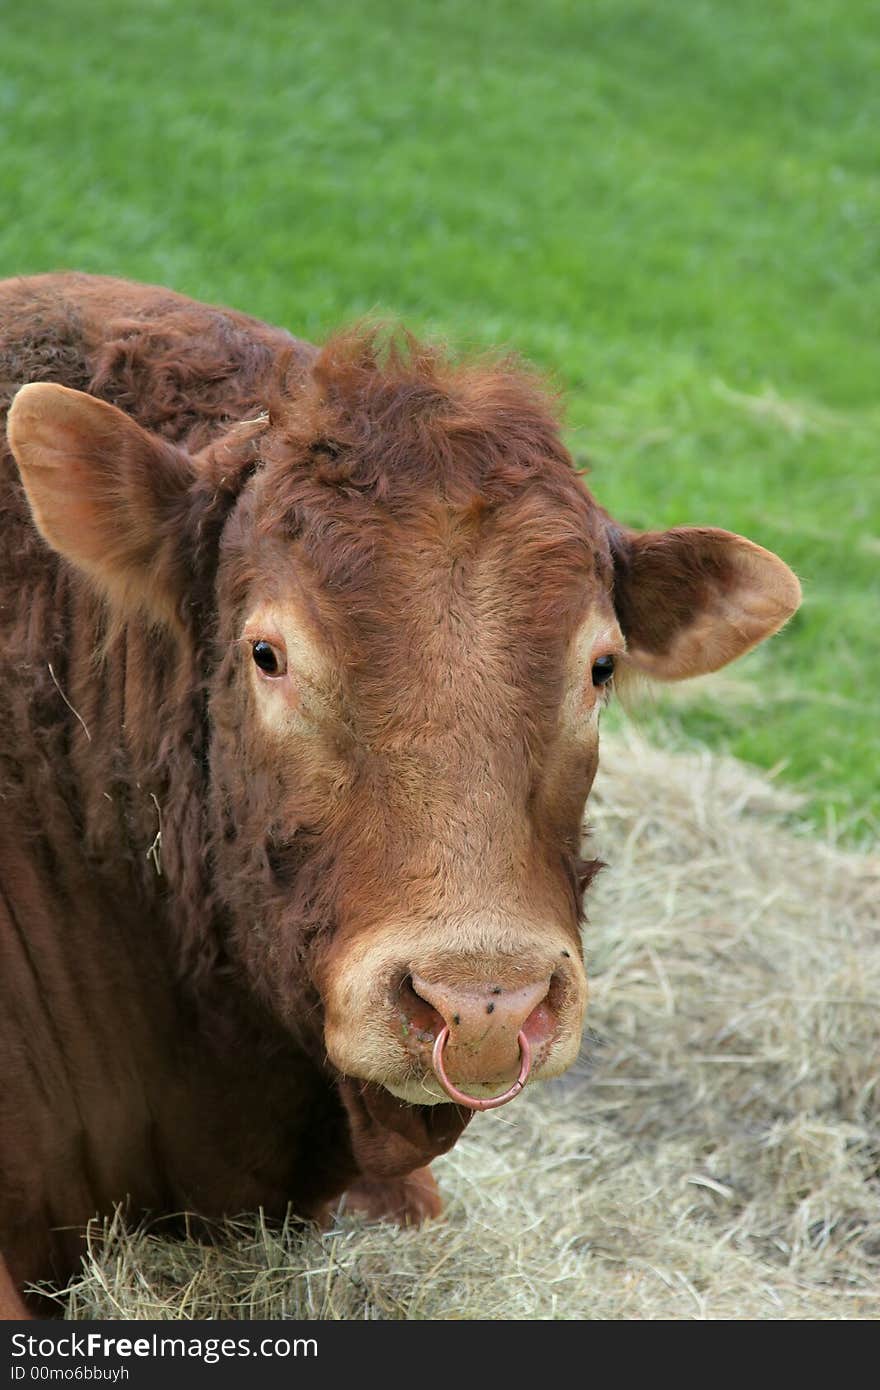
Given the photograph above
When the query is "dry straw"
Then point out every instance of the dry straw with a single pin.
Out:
(716, 1152)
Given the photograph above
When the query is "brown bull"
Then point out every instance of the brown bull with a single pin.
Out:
(301, 663)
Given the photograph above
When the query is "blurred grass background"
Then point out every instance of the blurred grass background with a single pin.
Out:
(674, 209)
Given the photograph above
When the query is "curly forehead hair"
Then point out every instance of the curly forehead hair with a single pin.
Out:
(384, 413)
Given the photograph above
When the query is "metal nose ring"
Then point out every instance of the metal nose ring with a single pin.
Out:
(472, 1102)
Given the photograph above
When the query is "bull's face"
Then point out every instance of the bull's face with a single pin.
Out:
(420, 613)
(413, 703)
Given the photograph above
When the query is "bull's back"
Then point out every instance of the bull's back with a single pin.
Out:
(180, 367)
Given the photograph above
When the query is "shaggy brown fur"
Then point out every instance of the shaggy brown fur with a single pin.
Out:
(180, 891)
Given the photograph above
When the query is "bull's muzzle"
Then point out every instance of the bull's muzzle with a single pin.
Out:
(469, 1020)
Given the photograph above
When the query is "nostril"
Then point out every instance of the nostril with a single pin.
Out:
(417, 1015)
(558, 992)
(541, 1025)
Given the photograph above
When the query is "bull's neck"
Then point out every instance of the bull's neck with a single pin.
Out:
(137, 752)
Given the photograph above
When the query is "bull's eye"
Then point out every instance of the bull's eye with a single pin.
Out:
(268, 658)
(603, 670)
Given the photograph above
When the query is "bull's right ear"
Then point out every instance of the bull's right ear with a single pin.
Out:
(694, 598)
(106, 494)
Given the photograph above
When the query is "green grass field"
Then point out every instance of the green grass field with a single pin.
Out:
(673, 208)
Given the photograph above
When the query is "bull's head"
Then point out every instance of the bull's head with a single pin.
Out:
(416, 613)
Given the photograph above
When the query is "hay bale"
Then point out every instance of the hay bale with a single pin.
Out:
(714, 1154)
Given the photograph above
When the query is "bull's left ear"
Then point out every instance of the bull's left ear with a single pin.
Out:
(106, 494)
(692, 599)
